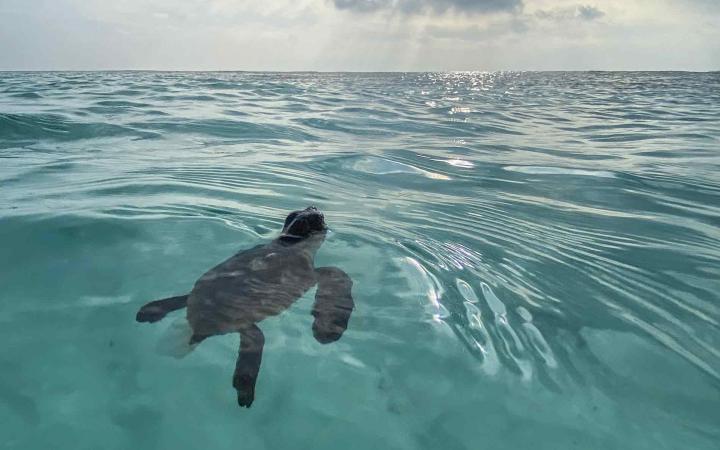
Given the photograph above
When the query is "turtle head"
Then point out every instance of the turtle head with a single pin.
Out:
(303, 223)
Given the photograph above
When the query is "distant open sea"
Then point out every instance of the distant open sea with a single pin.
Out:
(535, 256)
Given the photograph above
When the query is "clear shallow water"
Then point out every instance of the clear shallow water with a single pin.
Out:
(535, 257)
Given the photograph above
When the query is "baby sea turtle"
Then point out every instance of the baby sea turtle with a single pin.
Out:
(234, 296)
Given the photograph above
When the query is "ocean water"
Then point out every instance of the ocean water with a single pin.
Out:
(535, 256)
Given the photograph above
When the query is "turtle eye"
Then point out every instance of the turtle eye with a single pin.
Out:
(316, 222)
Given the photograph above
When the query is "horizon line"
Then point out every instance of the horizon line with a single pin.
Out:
(358, 71)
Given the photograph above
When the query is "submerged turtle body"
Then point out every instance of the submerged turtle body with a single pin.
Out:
(260, 282)
(248, 287)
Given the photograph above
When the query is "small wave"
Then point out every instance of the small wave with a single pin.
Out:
(382, 166)
(547, 170)
(27, 95)
(233, 129)
(122, 103)
(457, 162)
(35, 127)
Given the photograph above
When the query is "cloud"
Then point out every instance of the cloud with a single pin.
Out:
(429, 6)
(589, 12)
(581, 12)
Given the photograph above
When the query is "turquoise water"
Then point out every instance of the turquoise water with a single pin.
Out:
(535, 256)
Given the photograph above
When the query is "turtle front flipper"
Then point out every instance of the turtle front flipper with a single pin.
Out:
(248, 364)
(156, 310)
(333, 304)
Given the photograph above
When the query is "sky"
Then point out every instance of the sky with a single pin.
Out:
(360, 35)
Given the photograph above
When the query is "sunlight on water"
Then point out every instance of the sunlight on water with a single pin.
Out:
(534, 257)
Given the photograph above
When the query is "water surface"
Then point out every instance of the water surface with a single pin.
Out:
(536, 258)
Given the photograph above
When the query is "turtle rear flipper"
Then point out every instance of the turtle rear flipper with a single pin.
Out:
(333, 304)
(156, 310)
(247, 366)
